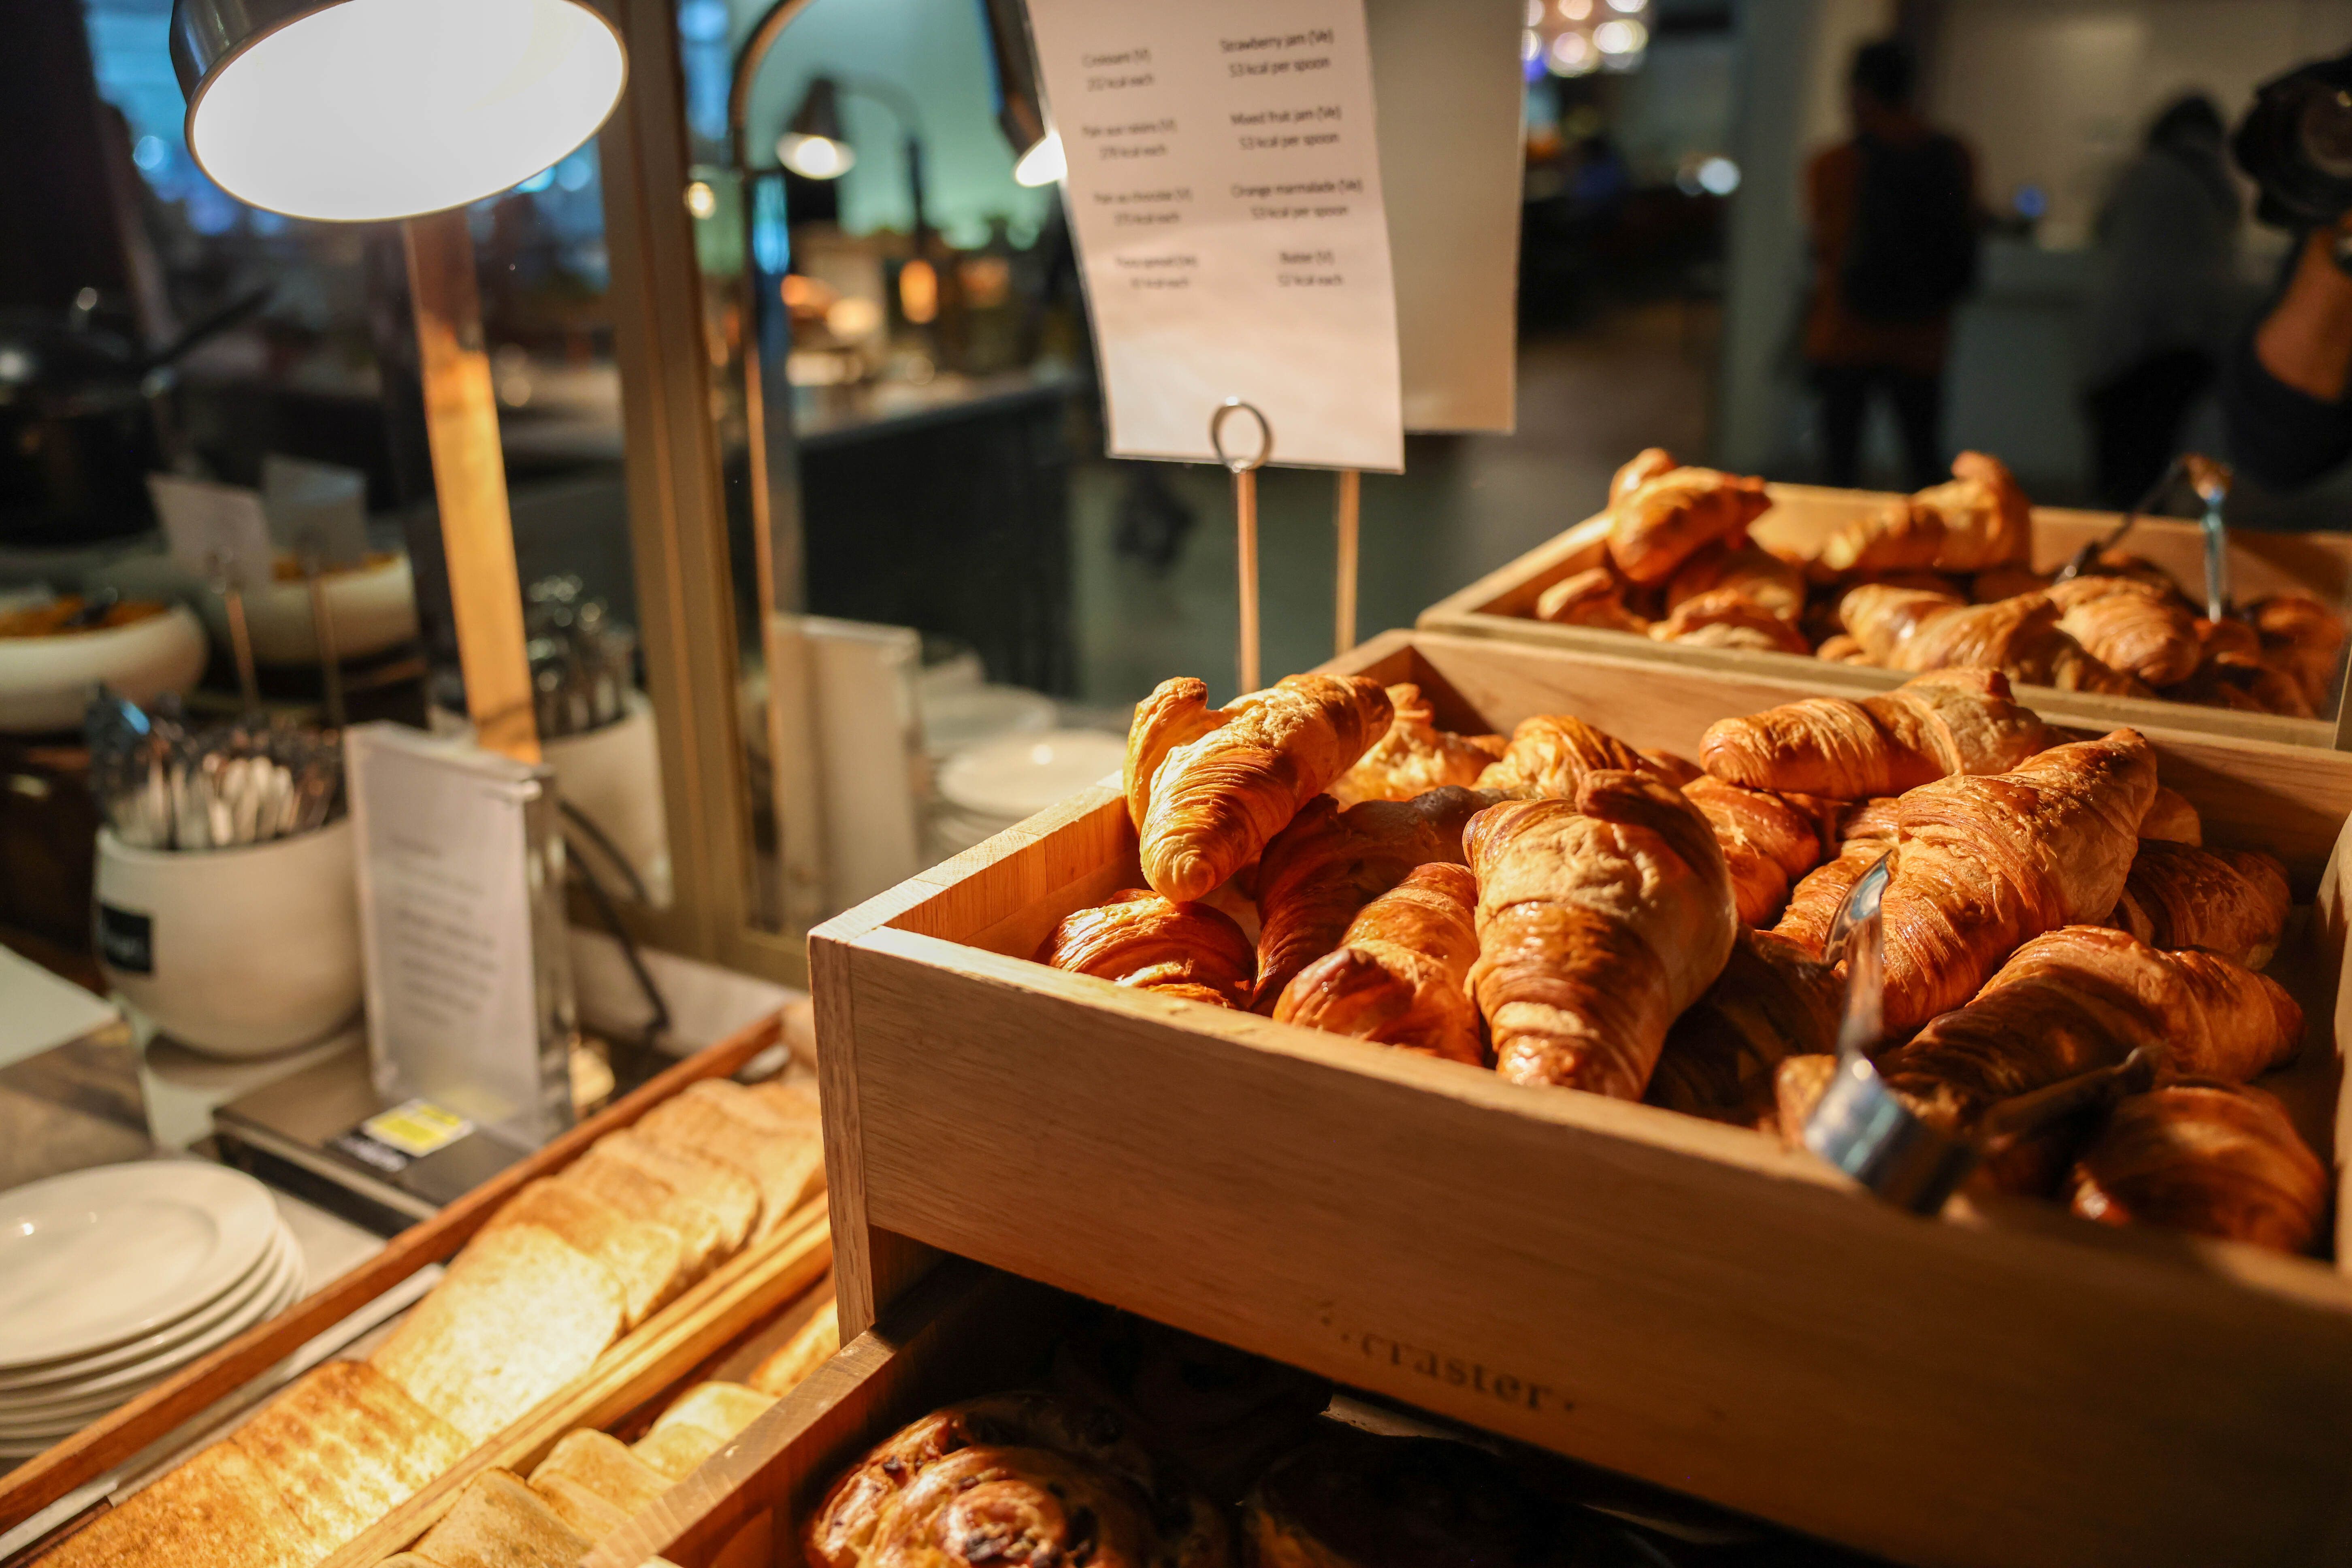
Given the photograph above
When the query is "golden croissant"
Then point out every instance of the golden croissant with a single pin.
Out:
(2212, 1159)
(1867, 833)
(1142, 940)
(1416, 757)
(1322, 870)
(1599, 921)
(1932, 726)
(1649, 463)
(1550, 754)
(2130, 626)
(1664, 521)
(1984, 864)
(2086, 996)
(1594, 597)
(1751, 572)
(1977, 521)
(1772, 1001)
(1767, 844)
(2171, 818)
(2302, 637)
(1207, 788)
(2229, 901)
(1399, 975)
(1920, 629)
(1726, 618)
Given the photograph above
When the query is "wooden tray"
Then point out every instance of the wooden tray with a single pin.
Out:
(638, 1369)
(1687, 1302)
(1502, 603)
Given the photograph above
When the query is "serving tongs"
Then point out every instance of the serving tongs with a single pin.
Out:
(1863, 1127)
(2211, 482)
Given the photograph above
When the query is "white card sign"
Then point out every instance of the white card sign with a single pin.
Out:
(214, 531)
(316, 508)
(1224, 189)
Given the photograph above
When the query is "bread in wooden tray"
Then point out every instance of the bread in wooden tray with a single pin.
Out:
(2047, 910)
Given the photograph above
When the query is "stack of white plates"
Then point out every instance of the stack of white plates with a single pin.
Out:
(987, 788)
(111, 1279)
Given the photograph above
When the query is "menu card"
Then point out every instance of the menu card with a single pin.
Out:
(1225, 188)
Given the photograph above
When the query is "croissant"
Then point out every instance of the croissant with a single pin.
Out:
(2130, 626)
(1664, 521)
(1977, 521)
(1771, 1002)
(1650, 463)
(1594, 597)
(1416, 757)
(1933, 725)
(1767, 844)
(1914, 629)
(2302, 637)
(2212, 1159)
(1984, 864)
(1725, 617)
(1598, 921)
(2231, 643)
(1399, 974)
(1322, 870)
(2172, 818)
(1675, 770)
(1841, 649)
(1206, 789)
(2278, 689)
(1549, 754)
(2084, 996)
(1013, 1478)
(1752, 571)
(2229, 901)
(1141, 940)
(2005, 583)
(1868, 833)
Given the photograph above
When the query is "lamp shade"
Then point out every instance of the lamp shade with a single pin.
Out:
(813, 144)
(361, 109)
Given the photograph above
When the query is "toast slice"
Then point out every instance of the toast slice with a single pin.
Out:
(589, 1515)
(344, 1446)
(216, 1510)
(520, 1314)
(731, 1200)
(725, 1408)
(811, 1347)
(796, 1101)
(646, 1258)
(675, 1451)
(500, 1522)
(603, 1463)
(784, 1161)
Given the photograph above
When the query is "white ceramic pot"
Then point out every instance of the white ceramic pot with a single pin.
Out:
(46, 682)
(373, 608)
(612, 776)
(234, 952)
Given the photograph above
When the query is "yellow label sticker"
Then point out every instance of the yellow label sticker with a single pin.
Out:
(417, 1127)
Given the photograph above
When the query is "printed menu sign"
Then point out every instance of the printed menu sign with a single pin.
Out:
(1224, 187)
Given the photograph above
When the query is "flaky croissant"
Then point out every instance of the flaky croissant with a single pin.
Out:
(2171, 818)
(2213, 1159)
(1399, 975)
(2229, 901)
(1933, 725)
(1416, 757)
(1984, 864)
(1664, 521)
(1599, 921)
(1551, 752)
(1867, 833)
(1594, 597)
(2130, 626)
(1767, 844)
(1725, 617)
(2302, 636)
(2084, 996)
(1752, 571)
(1917, 629)
(1771, 1002)
(1322, 870)
(1142, 940)
(1977, 521)
(1208, 788)
(1649, 463)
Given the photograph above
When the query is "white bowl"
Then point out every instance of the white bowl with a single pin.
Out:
(1020, 775)
(46, 682)
(234, 952)
(372, 607)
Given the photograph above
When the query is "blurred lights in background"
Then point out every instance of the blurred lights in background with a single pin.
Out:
(1563, 34)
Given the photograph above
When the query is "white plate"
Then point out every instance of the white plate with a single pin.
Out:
(268, 1293)
(49, 1425)
(1022, 775)
(99, 1257)
(166, 1344)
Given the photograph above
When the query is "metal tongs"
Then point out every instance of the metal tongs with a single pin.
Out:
(1863, 1128)
(2211, 482)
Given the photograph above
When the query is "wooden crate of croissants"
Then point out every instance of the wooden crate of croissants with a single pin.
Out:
(1439, 1023)
(1858, 590)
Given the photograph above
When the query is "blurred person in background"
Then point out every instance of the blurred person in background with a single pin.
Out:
(1893, 221)
(2160, 312)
